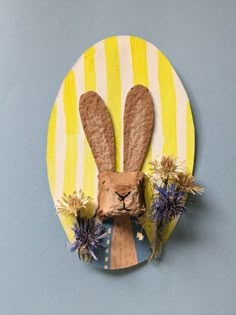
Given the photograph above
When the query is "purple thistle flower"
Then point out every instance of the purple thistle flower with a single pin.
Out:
(168, 205)
(88, 237)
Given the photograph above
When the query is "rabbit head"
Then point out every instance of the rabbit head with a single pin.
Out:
(119, 193)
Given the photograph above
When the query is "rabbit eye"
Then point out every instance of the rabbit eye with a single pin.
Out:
(103, 182)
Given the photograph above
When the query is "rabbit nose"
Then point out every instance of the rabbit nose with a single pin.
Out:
(122, 197)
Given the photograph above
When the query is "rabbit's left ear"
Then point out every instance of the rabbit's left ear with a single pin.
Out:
(98, 128)
(138, 126)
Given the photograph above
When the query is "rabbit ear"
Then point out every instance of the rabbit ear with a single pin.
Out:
(98, 128)
(138, 126)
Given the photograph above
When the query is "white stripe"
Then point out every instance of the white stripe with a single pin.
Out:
(60, 145)
(79, 83)
(126, 74)
(157, 137)
(100, 70)
(181, 101)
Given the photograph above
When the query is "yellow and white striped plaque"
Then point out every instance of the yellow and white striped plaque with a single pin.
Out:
(111, 67)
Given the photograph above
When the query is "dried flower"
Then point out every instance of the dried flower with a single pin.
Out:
(168, 205)
(186, 184)
(88, 237)
(165, 169)
(139, 236)
(170, 184)
(72, 204)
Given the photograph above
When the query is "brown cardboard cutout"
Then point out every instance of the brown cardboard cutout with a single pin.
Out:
(121, 195)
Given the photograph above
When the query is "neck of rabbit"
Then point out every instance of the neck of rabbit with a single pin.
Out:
(123, 252)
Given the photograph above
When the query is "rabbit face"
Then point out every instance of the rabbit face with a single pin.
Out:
(120, 194)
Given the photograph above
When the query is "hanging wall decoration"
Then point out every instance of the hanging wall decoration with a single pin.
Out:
(120, 153)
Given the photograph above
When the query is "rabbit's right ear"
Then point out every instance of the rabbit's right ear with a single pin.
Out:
(138, 126)
(98, 128)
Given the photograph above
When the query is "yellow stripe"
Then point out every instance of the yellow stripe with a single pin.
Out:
(89, 164)
(114, 93)
(168, 105)
(139, 59)
(140, 76)
(51, 150)
(190, 142)
(71, 126)
(169, 111)
(190, 139)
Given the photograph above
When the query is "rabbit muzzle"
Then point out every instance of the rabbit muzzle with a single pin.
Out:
(120, 194)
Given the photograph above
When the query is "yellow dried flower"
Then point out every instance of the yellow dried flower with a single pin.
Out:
(165, 169)
(72, 204)
(186, 184)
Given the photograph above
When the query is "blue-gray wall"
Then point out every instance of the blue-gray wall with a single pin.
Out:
(39, 42)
